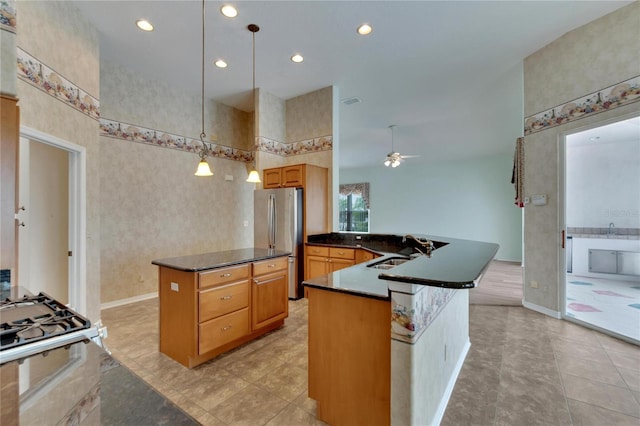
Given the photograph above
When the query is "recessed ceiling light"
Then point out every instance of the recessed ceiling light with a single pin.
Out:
(297, 58)
(365, 29)
(220, 63)
(229, 11)
(144, 25)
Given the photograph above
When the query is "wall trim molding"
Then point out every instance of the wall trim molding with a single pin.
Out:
(8, 17)
(130, 132)
(128, 300)
(608, 98)
(41, 76)
(271, 146)
(542, 310)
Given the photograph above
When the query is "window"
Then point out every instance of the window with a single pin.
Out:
(354, 207)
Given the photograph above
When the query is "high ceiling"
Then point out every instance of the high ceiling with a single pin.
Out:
(448, 74)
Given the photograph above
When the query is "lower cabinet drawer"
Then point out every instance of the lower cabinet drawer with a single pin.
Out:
(222, 330)
(342, 253)
(222, 300)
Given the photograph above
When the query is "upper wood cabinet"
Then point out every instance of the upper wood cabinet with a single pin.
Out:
(284, 177)
(314, 180)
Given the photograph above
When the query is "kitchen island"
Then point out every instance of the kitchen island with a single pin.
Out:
(388, 337)
(213, 302)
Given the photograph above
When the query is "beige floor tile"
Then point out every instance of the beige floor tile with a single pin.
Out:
(631, 378)
(294, 416)
(583, 414)
(286, 381)
(628, 360)
(252, 406)
(568, 348)
(601, 395)
(617, 345)
(599, 372)
(305, 403)
(209, 392)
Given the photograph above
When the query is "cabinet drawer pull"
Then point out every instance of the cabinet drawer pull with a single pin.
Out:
(272, 265)
(226, 328)
(316, 251)
(225, 275)
(226, 297)
(340, 252)
(267, 281)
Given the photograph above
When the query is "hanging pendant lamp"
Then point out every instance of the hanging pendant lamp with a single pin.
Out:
(254, 176)
(203, 166)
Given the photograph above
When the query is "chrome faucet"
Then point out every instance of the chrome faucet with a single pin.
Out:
(611, 231)
(423, 246)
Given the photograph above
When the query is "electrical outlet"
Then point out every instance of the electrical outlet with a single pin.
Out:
(175, 287)
(534, 284)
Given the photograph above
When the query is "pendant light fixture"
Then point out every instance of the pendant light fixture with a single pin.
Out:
(254, 176)
(203, 166)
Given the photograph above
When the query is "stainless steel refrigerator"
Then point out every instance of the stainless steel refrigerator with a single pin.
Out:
(278, 225)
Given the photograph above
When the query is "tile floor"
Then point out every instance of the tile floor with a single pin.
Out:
(523, 368)
(609, 304)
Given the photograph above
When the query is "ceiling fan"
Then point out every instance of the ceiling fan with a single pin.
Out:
(394, 158)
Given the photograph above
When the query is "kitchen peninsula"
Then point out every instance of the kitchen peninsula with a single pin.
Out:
(213, 302)
(388, 336)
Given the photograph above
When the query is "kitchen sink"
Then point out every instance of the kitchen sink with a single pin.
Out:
(389, 263)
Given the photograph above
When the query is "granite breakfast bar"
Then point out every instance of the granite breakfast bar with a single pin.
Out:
(388, 337)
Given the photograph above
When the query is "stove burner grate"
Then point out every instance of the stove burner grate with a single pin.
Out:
(34, 318)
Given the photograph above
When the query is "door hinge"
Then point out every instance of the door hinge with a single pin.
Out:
(69, 253)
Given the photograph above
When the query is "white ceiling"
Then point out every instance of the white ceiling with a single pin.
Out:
(447, 73)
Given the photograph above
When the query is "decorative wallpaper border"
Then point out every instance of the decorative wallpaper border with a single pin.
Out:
(322, 143)
(129, 132)
(46, 79)
(411, 314)
(606, 99)
(8, 16)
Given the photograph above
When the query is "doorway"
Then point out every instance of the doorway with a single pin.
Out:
(601, 219)
(52, 194)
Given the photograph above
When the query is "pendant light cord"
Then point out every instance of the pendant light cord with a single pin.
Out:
(203, 135)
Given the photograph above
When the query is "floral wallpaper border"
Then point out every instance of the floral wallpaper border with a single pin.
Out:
(411, 314)
(322, 143)
(46, 79)
(129, 132)
(608, 98)
(8, 16)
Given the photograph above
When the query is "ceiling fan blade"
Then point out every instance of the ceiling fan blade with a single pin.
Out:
(409, 156)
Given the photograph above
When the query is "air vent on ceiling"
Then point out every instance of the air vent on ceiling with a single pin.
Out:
(351, 101)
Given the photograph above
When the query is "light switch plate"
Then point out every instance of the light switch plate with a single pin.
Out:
(175, 287)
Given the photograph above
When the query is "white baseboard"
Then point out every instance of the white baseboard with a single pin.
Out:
(542, 310)
(437, 418)
(134, 299)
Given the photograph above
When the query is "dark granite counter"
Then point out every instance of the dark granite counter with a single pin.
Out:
(454, 263)
(219, 259)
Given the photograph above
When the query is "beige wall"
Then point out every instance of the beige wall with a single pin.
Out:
(597, 55)
(271, 116)
(152, 206)
(50, 31)
(310, 115)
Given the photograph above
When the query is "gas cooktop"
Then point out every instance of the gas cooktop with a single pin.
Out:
(36, 324)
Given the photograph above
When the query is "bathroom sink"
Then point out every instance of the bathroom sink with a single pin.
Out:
(389, 263)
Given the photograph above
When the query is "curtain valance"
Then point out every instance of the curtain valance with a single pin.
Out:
(361, 189)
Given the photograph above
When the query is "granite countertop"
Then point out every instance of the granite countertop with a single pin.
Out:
(455, 263)
(218, 259)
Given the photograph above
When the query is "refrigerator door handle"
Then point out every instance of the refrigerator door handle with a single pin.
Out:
(272, 222)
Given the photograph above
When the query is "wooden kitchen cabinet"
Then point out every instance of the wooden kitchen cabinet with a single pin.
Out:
(270, 292)
(322, 260)
(284, 177)
(204, 314)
